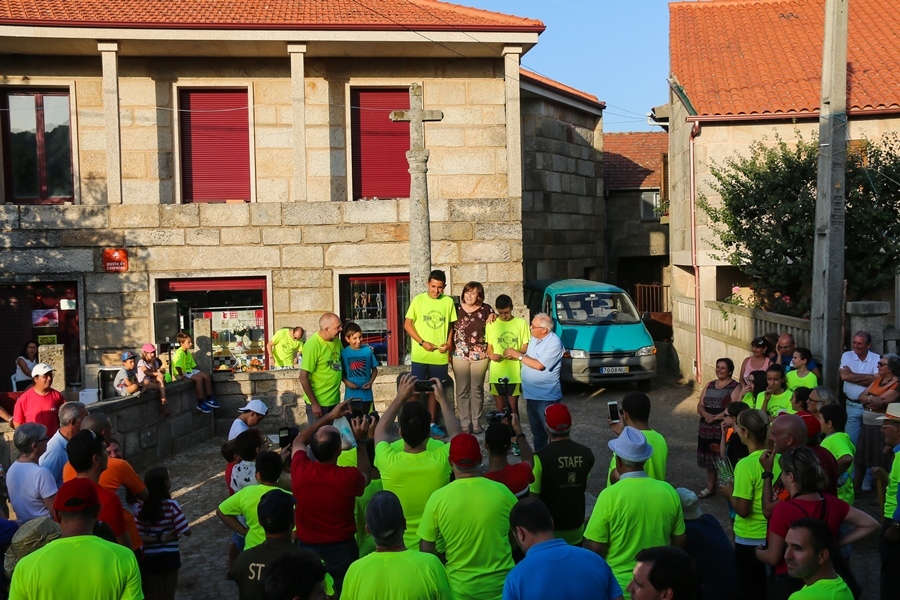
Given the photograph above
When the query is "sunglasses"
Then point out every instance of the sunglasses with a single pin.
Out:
(882, 364)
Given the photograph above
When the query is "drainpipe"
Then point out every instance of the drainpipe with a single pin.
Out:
(695, 131)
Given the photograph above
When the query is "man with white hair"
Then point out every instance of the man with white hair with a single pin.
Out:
(55, 458)
(541, 365)
(636, 512)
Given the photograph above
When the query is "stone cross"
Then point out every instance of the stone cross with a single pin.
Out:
(419, 221)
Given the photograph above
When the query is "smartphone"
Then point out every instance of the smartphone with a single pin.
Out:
(356, 406)
(613, 407)
(283, 435)
(424, 386)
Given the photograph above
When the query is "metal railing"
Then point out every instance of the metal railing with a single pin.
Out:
(652, 297)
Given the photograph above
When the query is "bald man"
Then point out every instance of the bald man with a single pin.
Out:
(788, 432)
(320, 369)
(326, 493)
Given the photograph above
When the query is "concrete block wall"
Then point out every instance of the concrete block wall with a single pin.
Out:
(563, 212)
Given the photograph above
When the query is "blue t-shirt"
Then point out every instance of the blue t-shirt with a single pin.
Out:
(538, 576)
(358, 365)
(543, 385)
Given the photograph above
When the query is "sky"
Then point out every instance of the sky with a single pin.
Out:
(617, 50)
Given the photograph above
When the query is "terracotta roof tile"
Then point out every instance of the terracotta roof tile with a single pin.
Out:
(757, 57)
(560, 87)
(255, 14)
(633, 160)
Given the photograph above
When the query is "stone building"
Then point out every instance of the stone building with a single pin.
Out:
(720, 102)
(240, 160)
(634, 167)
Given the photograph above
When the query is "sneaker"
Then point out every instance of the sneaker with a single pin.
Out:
(515, 449)
(438, 432)
(867, 482)
(212, 403)
(204, 408)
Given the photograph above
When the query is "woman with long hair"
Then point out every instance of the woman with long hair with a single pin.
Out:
(26, 361)
(745, 496)
(802, 476)
(470, 357)
(160, 522)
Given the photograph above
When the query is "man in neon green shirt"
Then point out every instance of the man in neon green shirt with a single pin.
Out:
(393, 570)
(78, 565)
(505, 332)
(428, 322)
(285, 346)
(471, 514)
(320, 371)
(636, 513)
(808, 547)
(833, 418)
(634, 411)
(414, 473)
(245, 502)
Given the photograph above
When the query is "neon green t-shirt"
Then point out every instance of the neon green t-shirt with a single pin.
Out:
(347, 458)
(363, 538)
(244, 503)
(501, 335)
(748, 400)
(808, 381)
(184, 360)
(322, 360)
(472, 516)
(890, 495)
(409, 575)
(748, 484)
(285, 347)
(413, 477)
(839, 445)
(777, 403)
(824, 589)
(656, 466)
(100, 568)
(432, 319)
(633, 514)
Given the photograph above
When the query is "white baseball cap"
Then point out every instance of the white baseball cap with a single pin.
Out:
(257, 406)
(41, 369)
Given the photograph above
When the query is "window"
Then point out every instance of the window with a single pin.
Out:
(378, 304)
(215, 145)
(37, 147)
(380, 168)
(237, 308)
(649, 206)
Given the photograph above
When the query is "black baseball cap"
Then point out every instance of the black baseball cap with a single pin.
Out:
(276, 511)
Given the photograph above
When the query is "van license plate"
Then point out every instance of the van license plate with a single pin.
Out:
(613, 370)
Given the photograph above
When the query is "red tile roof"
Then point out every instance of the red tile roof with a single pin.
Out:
(759, 57)
(633, 160)
(420, 15)
(559, 87)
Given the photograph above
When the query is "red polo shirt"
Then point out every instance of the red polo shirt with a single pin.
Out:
(326, 497)
(31, 407)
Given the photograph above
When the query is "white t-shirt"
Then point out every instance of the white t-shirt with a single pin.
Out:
(28, 485)
(860, 367)
(237, 428)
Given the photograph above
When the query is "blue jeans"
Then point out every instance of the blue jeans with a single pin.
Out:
(854, 420)
(338, 556)
(538, 422)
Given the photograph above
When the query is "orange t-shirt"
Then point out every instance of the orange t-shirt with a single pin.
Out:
(118, 477)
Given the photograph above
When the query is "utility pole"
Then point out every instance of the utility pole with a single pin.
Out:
(828, 261)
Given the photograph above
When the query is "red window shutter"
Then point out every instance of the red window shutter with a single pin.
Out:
(215, 145)
(379, 144)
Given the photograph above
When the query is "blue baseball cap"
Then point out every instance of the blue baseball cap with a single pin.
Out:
(128, 355)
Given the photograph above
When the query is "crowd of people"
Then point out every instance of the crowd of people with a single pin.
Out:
(342, 509)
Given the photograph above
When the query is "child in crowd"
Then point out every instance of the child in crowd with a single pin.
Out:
(800, 375)
(776, 398)
(186, 368)
(160, 521)
(150, 376)
(360, 366)
(833, 419)
(126, 381)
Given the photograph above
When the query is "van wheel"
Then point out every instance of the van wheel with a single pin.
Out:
(645, 385)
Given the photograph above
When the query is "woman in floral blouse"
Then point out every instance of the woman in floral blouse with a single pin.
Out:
(470, 358)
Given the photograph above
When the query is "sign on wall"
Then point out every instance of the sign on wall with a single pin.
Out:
(115, 260)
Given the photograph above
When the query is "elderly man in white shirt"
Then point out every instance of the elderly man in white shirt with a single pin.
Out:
(858, 369)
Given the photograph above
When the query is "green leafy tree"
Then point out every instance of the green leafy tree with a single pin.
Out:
(765, 224)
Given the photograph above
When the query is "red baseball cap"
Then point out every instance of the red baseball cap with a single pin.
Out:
(465, 450)
(76, 495)
(559, 419)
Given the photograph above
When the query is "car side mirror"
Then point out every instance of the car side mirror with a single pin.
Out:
(645, 317)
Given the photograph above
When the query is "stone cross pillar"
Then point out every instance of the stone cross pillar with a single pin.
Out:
(419, 221)
(110, 62)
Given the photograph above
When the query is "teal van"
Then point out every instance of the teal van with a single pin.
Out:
(604, 337)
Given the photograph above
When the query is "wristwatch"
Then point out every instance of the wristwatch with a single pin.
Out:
(422, 343)
(767, 475)
(521, 356)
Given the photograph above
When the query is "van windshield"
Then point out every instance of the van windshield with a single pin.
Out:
(593, 308)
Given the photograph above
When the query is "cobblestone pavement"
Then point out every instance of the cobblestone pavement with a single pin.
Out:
(198, 484)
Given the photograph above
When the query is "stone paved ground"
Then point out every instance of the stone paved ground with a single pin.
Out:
(198, 484)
